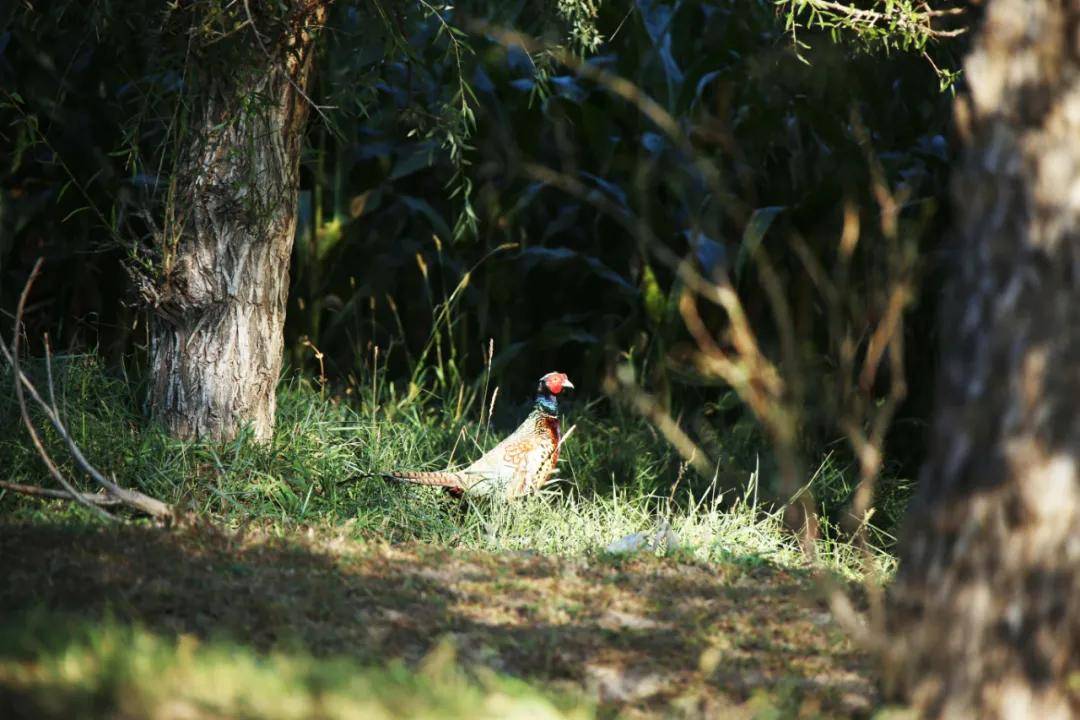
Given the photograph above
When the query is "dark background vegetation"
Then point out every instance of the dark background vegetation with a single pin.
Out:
(425, 233)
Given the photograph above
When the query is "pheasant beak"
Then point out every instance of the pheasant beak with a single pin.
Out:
(567, 384)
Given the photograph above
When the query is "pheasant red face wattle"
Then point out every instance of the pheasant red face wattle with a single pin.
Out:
(556, 381)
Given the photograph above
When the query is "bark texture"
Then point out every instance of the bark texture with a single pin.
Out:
(986, 609)
(216, 344)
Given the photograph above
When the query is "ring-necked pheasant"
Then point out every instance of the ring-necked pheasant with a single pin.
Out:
(520, 464)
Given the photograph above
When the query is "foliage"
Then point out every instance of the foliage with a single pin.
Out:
(555, 179)
(581, 16)
(907, 25)
(312, 473)
(478, 207)
(579, 179)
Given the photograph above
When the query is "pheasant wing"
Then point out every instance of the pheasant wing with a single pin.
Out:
(499, 467)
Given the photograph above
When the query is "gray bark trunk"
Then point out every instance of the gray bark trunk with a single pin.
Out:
(216, 344)
(985, 610)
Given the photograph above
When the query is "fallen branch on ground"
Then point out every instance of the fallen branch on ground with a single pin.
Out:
(113, 493)
(98, 498)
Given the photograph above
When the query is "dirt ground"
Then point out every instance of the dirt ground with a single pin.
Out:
(646, 636)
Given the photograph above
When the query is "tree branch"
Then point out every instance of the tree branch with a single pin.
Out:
(99, 498)
(131, 498)
(13, 360)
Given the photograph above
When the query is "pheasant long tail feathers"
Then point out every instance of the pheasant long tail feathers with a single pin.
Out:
(522, 463)
(436, 479)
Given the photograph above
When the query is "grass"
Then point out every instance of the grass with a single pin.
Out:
(115, 669)
(296, 587)
(137, 621)
(312, 473)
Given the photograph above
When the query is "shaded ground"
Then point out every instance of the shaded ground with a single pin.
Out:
(644, 636)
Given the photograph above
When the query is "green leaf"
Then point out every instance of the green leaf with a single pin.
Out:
(73, 213)
(754, 234)
(653, 296)
(63, 190)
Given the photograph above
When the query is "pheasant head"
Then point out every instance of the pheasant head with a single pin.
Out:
(548, 389)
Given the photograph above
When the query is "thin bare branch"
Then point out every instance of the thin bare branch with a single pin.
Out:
(751, 374)
(288, 75)
(131, 498)
(98, 498)
(647, 406)
(13, 360)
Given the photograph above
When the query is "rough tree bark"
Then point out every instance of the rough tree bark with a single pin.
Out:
(216, 343)
(986, 609)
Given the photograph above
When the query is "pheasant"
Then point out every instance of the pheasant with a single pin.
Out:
(522, 463)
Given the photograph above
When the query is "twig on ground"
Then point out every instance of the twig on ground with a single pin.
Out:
(13, 359)
(131, 498)
(98, 498)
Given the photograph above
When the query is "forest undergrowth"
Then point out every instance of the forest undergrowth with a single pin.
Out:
(630, 588)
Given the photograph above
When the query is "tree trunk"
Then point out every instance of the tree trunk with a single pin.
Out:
(985, 610)
(216, 344)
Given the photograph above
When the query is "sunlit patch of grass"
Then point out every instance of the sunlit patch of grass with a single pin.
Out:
(710, 530)
(313, 473)
(54, 666)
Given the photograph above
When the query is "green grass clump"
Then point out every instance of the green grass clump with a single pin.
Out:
(312, 473)
(57, 667)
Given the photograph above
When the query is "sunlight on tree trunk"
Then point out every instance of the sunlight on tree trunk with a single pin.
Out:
(216, 342)
(985, 614)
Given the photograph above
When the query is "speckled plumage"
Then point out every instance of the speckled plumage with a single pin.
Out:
(521, 464)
